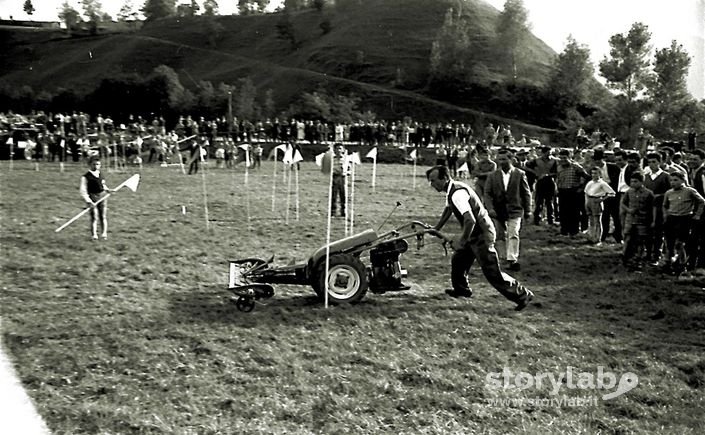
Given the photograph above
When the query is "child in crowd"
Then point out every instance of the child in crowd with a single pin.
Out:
(638, 209)
(681, 206)
(596, 190)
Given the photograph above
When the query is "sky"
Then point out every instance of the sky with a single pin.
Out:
(590, 22)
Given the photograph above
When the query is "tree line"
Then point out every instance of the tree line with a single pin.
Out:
(649, 88)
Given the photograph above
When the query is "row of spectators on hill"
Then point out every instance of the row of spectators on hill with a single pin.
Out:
(379, 132)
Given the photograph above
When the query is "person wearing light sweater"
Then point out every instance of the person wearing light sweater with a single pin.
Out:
(596, 191)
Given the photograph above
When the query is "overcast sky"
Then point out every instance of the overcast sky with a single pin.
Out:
(591, 22)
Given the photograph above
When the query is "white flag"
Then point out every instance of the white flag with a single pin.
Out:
(354, 158)
(464, 168)
(62, 144)
(297, 157)
(412, 156)
(9, 141)
(319, 159)
(203, 153)
(288, 155)
(372, 154)
(246, 148)
(139, 141)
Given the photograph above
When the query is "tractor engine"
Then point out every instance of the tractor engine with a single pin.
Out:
(386, 272)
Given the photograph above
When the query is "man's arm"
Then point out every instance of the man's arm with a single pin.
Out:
(699, 204)
(447, 213)
(525, 195)
(83, 189)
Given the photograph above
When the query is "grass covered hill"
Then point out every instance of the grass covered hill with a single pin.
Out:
(378, 50)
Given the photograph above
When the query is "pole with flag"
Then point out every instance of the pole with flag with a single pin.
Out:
(62, 144)
(246, 148)
(11, 142)
(346, 165)
(178, 152)
(354, 160)
(288, 160)
(131, 183)
(412, 156)
(330, 213)
(373, 155)
(205, 188)
(281, 147)
(463, 168)
(297, 158)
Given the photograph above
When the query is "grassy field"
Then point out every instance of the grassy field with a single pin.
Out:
(137, 335)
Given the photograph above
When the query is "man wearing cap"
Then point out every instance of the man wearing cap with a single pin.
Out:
(476, 241)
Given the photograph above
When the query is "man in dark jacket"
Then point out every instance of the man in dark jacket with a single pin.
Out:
(508, 199)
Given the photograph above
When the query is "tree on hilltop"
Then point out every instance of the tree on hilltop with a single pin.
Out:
(155, 9)
(210, 8)
(512, 28)
(627, 72)
(68, 15)
(571, 76)
(252, 7)
(127, 12)
(28, 7)
(668, 91)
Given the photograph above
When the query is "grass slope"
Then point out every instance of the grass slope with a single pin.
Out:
(135, 335)
(369, 46)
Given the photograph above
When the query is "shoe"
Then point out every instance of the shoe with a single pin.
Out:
(104, 237)
(685, 276)
(514, 266)
(95, 237)
(525, 300)
(459, 293)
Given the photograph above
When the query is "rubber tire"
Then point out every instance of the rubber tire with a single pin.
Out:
(343, 263)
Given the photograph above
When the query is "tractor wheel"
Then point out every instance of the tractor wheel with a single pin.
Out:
(347, 279)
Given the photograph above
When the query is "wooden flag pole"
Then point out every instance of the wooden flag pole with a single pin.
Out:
(330, 204)
(274, 180)
(205, 189)
(352, 200)
(288, 193)
(297, 194)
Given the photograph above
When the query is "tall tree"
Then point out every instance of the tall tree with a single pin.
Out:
(210, 8)
(69, 15)
(512, 27)
(154, 9)
(668, 91)
(627, 72)
(573, 70)
(28, 7)
(451, 50)
(92, 10)
(250, 7)
(127, 12)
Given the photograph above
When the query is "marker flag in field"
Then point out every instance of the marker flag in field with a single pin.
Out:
(203, 153)
(62, 144)
(288, 155)
(464, 168)
(319, 159)
(9, 141)
(246, 147)
(373, 155)
(355, 158)
(412, 155)
(297, 157)
(139, 142)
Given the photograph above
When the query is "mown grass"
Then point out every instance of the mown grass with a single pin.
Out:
(136, 334)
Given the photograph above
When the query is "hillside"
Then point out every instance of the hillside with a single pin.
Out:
(377, 50)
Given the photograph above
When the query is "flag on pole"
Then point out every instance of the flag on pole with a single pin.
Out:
(62, 144)
(297, 157)
(246, 147)
(354, 158)
(288, 155)
(9, 141)
(464, 167)
(373, 155)
(412, 155)
(319, 159)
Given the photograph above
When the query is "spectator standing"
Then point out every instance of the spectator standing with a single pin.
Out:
(570, 180)
(508, 199)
